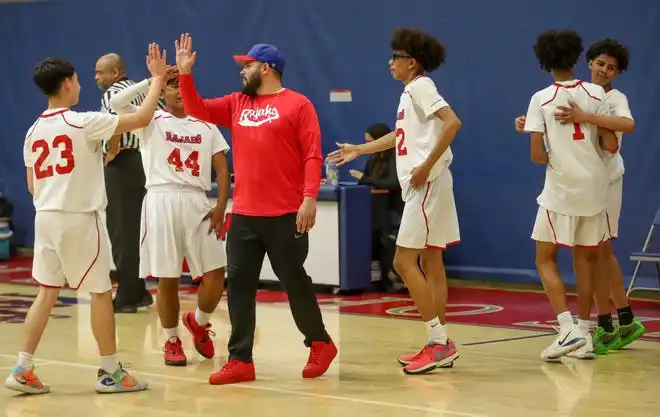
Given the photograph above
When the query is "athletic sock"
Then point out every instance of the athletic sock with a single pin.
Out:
(202, 318)
(565, 320)
(437, 333)
(109, 363)
(605, 322)
(583, 327)
(25, 360)
(171, 333)
(626, 315)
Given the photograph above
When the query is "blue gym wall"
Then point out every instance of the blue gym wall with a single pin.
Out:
(489, 76)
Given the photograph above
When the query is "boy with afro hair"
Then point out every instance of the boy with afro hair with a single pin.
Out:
(425, 127)
(573, 201)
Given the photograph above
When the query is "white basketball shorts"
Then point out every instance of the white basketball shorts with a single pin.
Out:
(104, 220)
(569, 231)
(71, 248)
(614, 199)
(172, 229)
(429, 217)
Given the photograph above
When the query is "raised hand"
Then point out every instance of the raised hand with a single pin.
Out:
(185, 57)
(346, 153)
(156, 61)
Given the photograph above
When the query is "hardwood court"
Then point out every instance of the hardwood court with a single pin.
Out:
(499, 372)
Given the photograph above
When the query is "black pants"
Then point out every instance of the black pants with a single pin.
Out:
(249, 238)
(124, 182)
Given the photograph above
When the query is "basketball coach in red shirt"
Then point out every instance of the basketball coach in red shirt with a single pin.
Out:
(276, 147)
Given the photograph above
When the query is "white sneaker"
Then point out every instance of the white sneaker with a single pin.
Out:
(585, 352)
(567, 341)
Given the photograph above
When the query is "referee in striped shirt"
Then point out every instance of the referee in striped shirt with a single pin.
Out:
(124, 181)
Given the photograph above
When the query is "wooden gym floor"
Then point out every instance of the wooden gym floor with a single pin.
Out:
(499, 372)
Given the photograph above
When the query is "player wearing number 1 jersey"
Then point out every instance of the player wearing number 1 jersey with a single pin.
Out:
(64, 162)
(177, 153)
(425, 127)
(572, 204)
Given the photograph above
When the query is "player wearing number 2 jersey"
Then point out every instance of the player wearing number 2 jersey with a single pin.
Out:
(425, 127)
(572, 204)
(64, 162)
(177, 153)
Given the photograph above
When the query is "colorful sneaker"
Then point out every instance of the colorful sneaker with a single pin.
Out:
(25, 381)
(584, 352)
(321, 355)
(431, 357)
(118, 381)
(567, 341)
(411, 357)
(173, 352)
(629, 333)
(603, 341)
(233, 372)
(201, 335)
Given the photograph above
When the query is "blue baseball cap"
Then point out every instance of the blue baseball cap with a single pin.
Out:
(265, 53)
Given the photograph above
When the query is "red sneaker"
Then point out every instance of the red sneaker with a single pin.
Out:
(321, 355)
(173, 352)
(431, 357)
(412, 357)
(201, 335)
(233, 372)
(409, 357)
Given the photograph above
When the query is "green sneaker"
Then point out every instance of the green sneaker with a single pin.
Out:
(629, 333)
(603, 341)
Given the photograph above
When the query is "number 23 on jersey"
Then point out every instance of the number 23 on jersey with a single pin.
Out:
(42, 149)
(191, 162)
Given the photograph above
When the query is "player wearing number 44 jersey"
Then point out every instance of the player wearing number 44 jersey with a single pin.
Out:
(572, 204)
(177, 219)
(425, 127)
(64, 164)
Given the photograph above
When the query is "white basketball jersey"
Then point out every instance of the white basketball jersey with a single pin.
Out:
(618, 105)
(576, 176)
(179, 151)
(418, 129)
(63, 148)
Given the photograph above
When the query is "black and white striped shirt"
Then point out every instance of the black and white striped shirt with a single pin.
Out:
(128, 139)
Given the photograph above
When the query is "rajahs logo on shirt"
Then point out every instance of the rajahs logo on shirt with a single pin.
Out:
(258, 117)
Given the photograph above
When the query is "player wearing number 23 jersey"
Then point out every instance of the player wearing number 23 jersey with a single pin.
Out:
(429, 215)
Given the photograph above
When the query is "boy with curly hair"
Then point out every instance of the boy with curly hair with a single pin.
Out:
(425, 127)
(607, 58)
(573, 201)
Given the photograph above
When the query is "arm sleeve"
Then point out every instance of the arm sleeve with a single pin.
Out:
(217, 110)
(534, 121)
(121, 102)
(28, 156)
(309, 135)
(425, 96)
(218, 144)
(619, 106)
(99, 126)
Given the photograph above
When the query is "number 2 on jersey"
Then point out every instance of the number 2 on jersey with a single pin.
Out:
(577, 132)
(62, 143)
(401, 148)
(192, 162)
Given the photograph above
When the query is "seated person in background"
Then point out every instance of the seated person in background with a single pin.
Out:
(386, 206)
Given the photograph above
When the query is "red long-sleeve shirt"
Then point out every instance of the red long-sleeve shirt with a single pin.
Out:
(276, 146)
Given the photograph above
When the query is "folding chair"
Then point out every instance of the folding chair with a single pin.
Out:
(648, 257)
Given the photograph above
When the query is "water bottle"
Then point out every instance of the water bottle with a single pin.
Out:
(331, 173)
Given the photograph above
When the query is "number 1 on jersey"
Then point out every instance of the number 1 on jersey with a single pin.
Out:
(577, 132)
(192, 162)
